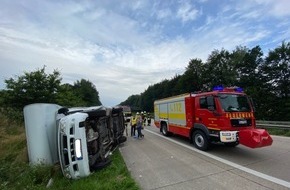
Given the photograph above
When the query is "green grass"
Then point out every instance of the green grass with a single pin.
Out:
(16, 173)
(279, 132)
(115, 176)
(23, 176)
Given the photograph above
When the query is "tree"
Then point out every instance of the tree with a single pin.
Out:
(87, 92)
(34, 87)
(275, 73)
(266, 80)
(220, 69)
(192, 80)
(67, 97)
(2, 93)
(250, 79)
(277, 70)
(161, 90)
(133, 101)
(247, 66)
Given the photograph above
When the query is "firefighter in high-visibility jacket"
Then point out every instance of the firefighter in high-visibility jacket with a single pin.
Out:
(144, 118)
(148, 119)
(133, 124)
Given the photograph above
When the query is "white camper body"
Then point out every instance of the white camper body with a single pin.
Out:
(81, 139)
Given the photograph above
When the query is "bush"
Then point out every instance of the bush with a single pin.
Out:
(11, 117)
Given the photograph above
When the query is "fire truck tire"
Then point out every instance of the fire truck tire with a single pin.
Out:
(200, 140)
(164, 130)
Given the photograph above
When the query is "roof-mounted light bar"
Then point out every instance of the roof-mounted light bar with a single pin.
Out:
(228, 89)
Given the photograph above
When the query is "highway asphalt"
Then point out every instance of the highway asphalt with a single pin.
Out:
(160, 163)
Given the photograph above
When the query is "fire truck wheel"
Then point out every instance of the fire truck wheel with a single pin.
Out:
(200, 141)
(164, 130)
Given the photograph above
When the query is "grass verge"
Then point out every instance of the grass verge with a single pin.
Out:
(279, 132)
(115, 176)
(15, 172)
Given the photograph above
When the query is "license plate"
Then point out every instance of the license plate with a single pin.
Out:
(242, 122)
(228, 136)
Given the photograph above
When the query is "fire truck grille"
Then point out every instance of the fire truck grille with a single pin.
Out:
(241, 122)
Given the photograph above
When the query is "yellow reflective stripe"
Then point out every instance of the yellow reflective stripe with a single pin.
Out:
(239, 115)
(180, 116)
(163, 115)
(177, 116)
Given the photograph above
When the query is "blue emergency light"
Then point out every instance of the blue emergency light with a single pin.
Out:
(221, 88)
(239, 89)
(218, 88)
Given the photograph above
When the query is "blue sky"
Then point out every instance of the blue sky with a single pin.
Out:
(123, 46)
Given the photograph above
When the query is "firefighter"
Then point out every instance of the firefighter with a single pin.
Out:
(139, 127)
(144, 119)
(148, 119)
(133, 124)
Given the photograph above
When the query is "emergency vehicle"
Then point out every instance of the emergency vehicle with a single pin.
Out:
(224, 115)
(127, 113)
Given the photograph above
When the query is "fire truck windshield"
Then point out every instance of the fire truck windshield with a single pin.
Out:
(234, 103)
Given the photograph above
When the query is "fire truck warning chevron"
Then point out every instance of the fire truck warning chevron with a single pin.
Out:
(224, 115)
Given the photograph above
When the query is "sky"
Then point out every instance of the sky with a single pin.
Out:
(123, 46)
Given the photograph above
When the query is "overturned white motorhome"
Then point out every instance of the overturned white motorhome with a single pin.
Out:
(85, 137)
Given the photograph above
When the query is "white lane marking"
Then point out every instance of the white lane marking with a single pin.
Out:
(253, 172)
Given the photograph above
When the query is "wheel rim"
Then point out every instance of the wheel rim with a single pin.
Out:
(164, 130)
(199, 141)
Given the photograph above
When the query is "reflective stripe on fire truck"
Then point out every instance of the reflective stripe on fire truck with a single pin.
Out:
(239, 115)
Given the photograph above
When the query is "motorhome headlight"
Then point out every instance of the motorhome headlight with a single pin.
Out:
(78, 148)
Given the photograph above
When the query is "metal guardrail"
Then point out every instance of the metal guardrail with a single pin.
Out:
(273, 124)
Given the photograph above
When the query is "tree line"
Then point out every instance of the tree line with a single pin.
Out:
(40, 87)
(265, 78)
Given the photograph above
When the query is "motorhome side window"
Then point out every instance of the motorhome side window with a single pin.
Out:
(207, 103)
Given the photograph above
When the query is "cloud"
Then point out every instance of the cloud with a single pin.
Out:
(163, 14)
(265, 8)
(123, 47)
(280, 8)
(187, 12)
(110, 68)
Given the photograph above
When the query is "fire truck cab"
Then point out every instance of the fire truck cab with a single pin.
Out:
(223, 115)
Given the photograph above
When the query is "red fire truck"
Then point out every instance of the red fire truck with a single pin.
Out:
(224, 115)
